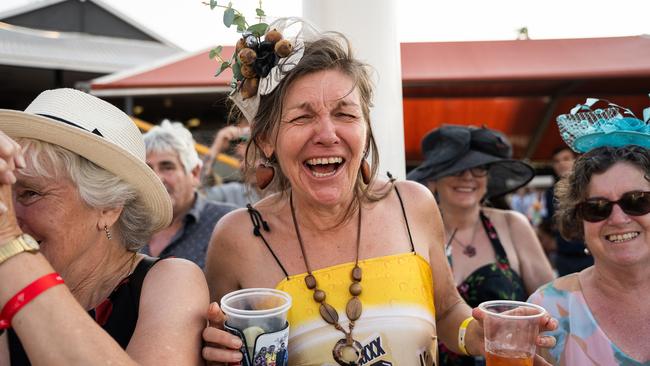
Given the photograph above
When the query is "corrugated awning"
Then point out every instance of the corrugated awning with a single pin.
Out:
(27, 47)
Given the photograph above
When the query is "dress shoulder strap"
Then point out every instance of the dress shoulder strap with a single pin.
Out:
(406, 220)
(258, 225)
(493, 236)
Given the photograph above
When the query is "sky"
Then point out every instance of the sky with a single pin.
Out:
(193, 26)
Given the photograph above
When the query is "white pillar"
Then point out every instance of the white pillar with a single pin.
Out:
(371, 26)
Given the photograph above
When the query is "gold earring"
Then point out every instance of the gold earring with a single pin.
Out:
(108, 232)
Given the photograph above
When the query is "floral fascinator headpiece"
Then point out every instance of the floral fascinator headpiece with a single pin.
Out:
(263, 55)
(587, 127)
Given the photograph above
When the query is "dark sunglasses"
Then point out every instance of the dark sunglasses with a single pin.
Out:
(635, 203)
(477, 172)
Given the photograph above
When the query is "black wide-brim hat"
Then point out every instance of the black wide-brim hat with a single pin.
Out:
(451, 149)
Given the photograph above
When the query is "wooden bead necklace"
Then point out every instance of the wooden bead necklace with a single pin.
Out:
(347, 351)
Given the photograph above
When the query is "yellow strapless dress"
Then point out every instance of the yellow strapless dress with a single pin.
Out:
(397, 325)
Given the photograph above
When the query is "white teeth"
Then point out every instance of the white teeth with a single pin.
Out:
(465, 189)
(321, 175)
(326, 160)
(617, 238)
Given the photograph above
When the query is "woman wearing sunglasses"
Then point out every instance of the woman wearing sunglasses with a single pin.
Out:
(494, 254)
(603, 310)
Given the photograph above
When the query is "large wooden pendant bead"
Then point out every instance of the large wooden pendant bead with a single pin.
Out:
(353, 309)
(347, 354)
(328, 313)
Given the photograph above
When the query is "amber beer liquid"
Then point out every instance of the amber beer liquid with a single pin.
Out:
(509, 358)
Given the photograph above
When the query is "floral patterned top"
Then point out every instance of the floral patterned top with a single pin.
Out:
(494, 281)
(580, 340)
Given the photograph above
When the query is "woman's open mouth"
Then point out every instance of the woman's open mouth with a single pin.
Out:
(324, 166)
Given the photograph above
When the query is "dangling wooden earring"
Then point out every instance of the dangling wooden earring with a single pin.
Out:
(365, 172)
(264, 174)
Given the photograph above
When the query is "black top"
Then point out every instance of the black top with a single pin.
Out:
(117, 315)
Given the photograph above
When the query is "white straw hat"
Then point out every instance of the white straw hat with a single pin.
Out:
(97, 131)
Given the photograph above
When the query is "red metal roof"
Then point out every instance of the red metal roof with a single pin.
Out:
(525, 59)
(195, 70)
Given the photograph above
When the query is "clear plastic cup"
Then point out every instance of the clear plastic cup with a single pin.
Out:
(255, 311)
(511, 328)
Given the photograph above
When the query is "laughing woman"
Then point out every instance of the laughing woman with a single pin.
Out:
(362, 258)
(84, 202)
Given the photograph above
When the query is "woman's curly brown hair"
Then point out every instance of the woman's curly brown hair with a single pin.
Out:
(572, 190)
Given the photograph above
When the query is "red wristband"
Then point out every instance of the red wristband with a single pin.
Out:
(24, 296)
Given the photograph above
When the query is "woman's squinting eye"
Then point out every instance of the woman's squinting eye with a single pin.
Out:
(345, 115)
(25, 195)
(300, 119)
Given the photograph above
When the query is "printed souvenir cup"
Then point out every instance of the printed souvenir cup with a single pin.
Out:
(511, 328)
(259, 317)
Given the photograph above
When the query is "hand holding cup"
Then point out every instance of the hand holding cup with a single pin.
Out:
(511, 332)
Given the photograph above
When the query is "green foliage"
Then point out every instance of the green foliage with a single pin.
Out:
(216, 52)
(228, 17)
(258, 29)
(236, 71)
(231, 17)
(224, 66)
(240, 21)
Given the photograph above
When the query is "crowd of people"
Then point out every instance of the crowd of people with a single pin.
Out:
(104, 232)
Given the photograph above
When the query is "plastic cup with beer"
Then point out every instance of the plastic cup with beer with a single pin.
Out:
(256, 312)
(510, 328)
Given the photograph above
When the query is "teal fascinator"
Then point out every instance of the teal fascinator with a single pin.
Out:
(586, 127)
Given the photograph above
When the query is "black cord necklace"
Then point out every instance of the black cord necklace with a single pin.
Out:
(468, 249)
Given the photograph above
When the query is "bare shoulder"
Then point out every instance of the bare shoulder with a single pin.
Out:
(413, 188)
(511, 218)
(175, 267)
(415, 195)
(176, 274)
(230, 230)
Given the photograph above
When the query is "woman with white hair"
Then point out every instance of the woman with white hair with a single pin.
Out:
(84, 203)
